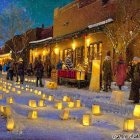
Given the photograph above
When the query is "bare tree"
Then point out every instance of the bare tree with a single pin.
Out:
(13, 21)
(126, 26)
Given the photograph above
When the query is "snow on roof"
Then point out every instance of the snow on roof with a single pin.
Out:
(101, 23)
(39, 41)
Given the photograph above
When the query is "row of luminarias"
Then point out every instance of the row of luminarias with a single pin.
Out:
(129, 123)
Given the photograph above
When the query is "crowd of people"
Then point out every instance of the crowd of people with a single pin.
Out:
(121, 73)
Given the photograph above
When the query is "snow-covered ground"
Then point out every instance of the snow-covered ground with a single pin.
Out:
(49, 126)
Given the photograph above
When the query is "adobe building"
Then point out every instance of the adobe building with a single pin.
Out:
(78, 29)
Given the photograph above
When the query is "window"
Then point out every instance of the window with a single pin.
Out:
(104, 2)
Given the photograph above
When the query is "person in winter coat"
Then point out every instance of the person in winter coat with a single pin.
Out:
(20, 68)
(11, 71)
(0, 68)
(39, 69)
(59, 65)
(120, 72)
(135, 84)
(107, 73)
(68, 62)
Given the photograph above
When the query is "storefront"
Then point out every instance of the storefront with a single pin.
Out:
(4, 58)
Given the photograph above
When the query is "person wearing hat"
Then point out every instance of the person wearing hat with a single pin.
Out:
(20, 69)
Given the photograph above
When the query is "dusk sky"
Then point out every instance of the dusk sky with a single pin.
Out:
(40, 11)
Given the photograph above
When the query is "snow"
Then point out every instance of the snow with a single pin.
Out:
(49, 126)
(42, 40)
(101, 23)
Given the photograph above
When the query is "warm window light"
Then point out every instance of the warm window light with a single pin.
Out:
(56, 50)
(33, 114)
(73, 45)
(39, 92)
(36, 53)
(129, 125)
(86, 121)
(88, 41)
(136, 112)
(96, 110)
(65, 114)
(32, 103)
(44, 52)
(10, 124)
(9, 100)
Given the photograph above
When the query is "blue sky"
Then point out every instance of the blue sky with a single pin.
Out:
(40, 11)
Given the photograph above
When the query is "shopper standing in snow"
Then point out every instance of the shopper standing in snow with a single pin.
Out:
(21, 70)
(107, 72)
(120, 72)
(39, 69)
(135, 85)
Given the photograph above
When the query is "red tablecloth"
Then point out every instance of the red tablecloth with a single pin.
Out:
(67, 74)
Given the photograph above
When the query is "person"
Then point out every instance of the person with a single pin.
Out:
(59, 65)
(20, 70)
(0, 68)
(68, 62)
(135, 84)
(107, 72)
(120, 72)
(10, 71)
(39, 69)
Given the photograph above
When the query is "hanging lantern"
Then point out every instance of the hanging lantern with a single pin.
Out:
(136, 112)
(10, 124)
(41, 103)
(44, 97)
(71, 104)
(86, 121)
(78, 103)
(33, 114)
(129, 125)
(50, 98)
(10, 100)
(65, 114)
(59, 106)
(1, 96)
(32, 103)
(7, 111)
(96, 110)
